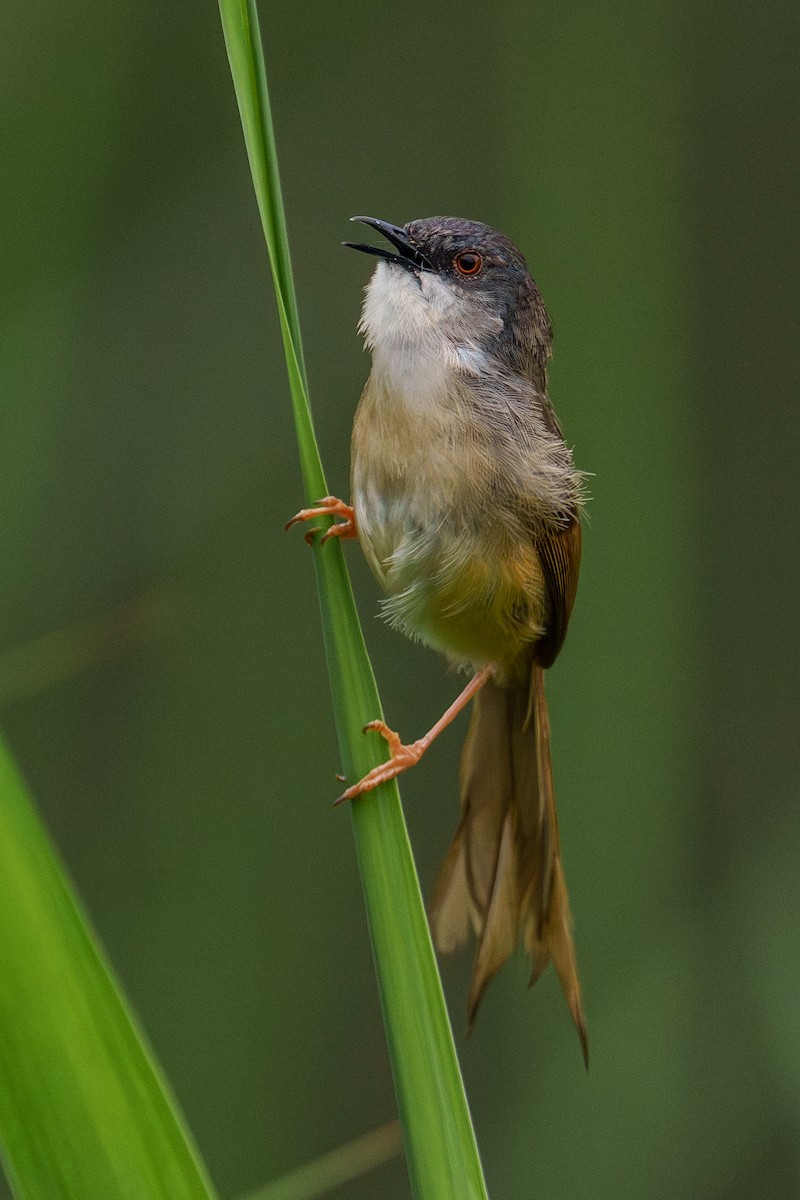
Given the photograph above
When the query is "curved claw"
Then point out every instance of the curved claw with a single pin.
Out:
(329, 506)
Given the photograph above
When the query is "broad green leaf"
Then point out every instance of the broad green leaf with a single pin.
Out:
(84, 1112)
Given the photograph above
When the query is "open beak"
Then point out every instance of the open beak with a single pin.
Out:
(408, 256)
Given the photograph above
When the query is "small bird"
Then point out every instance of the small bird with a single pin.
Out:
(467, 505)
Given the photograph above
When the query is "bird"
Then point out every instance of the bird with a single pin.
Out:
(467, 505)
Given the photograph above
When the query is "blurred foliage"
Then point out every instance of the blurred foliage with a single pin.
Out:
(643, 159)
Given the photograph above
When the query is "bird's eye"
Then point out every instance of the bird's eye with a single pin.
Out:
(468, 262)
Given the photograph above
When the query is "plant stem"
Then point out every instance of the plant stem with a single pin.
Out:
(442, 1155)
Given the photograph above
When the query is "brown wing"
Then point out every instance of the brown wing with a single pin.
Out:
(560, 556)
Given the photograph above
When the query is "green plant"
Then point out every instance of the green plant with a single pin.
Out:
(440, 1146)
(84, 1112)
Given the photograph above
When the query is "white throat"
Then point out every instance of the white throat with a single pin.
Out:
(418, 329)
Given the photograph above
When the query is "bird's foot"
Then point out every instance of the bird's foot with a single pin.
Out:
(329, 506)
(402, 757)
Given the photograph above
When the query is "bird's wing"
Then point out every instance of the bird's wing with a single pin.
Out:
(560, 555)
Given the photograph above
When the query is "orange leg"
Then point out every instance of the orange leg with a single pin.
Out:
(329, 506)
(402, 756)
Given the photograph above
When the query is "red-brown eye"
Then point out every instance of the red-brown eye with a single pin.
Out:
(468, 263)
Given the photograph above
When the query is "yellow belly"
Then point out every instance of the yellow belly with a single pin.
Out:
(477, 595)
(458, 565)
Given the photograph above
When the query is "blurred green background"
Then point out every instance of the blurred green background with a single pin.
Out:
(644, 158)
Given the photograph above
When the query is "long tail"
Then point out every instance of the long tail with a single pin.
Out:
(503, 873)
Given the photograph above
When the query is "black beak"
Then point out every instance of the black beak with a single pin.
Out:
(408, 256)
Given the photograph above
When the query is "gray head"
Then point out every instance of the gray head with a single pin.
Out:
(448, 278)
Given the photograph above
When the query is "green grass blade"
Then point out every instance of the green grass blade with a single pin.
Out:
(84, 1113)
(440, 1145)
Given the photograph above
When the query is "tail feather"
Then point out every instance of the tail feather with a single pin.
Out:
(502, 875)
(497, 940)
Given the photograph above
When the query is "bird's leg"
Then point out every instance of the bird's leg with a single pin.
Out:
(402, 756)
(329, 506)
